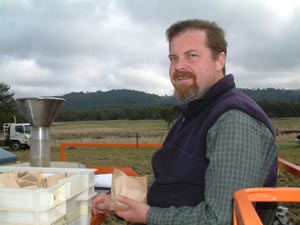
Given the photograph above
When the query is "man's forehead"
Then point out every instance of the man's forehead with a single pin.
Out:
(188, 40)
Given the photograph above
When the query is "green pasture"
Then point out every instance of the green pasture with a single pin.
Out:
(143, 125)
(286, 123)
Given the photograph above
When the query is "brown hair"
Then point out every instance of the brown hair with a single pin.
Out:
(215, 34)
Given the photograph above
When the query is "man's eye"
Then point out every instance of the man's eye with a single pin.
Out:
(172, 58)
(192, 55)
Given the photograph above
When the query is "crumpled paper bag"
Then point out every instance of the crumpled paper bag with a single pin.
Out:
(30, 179)
(53, 179)
(129, 186)
(7, 180)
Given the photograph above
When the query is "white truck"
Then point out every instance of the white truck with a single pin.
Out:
(16, 135)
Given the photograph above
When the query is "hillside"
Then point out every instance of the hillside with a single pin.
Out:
(273, 95)
(113, 98)
(124, 97)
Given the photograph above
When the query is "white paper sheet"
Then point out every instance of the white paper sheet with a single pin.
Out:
(103, 180)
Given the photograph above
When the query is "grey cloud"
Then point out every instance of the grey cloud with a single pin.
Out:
(101, 45)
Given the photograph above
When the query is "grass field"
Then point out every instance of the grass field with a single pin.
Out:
(149, 131)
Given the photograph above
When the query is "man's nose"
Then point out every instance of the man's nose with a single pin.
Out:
(181, 64)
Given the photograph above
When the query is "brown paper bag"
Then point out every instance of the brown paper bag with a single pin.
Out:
(8, 180)
(131, 187)
(28, 179)
(53, 179)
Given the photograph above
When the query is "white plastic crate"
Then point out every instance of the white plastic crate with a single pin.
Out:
(67, 202)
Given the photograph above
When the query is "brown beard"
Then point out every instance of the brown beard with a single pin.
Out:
(186, 93)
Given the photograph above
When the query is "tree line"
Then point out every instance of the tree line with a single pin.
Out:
(280, 109)
(166, 112)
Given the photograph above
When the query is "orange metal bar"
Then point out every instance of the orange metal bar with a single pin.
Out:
(120, 145)
(289, 167)
(280, 194)
(244, 212)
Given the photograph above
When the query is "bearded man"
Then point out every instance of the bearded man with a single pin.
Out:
(221, 142)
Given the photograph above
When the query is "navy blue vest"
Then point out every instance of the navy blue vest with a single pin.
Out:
(183, 152)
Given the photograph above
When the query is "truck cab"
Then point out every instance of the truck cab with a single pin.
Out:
(17, 135)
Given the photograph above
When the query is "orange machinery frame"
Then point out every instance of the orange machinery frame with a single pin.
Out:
(244, 212)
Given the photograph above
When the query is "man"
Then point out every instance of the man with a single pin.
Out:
(222, 141)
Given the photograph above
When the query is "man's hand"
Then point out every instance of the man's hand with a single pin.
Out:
(101, 204)
(137, 210)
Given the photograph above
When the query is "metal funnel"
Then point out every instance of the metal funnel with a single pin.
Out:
(40, 113)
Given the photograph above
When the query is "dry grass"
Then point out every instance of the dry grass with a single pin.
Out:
(148, 131)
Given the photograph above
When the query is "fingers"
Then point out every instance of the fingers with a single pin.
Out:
(101, 204)
(125, 200)
(136, 212)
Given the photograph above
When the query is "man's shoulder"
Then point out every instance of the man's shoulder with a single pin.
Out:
(238, 117)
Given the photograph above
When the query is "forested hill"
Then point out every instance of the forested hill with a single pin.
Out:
(274, 95)
(114, 98)
(123, 98)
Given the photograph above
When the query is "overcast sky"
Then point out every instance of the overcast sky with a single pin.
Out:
(54, 47)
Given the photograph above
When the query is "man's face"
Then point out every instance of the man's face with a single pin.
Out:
(192, 67)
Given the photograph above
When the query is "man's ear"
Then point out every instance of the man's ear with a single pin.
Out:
(220, 61)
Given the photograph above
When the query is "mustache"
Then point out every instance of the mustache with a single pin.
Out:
(179, 74)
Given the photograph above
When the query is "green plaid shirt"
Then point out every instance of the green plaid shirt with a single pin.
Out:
(241, 151)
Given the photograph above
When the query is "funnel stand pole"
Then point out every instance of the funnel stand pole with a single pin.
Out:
(40, 147)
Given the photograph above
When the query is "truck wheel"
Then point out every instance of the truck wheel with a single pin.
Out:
(15, 145)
